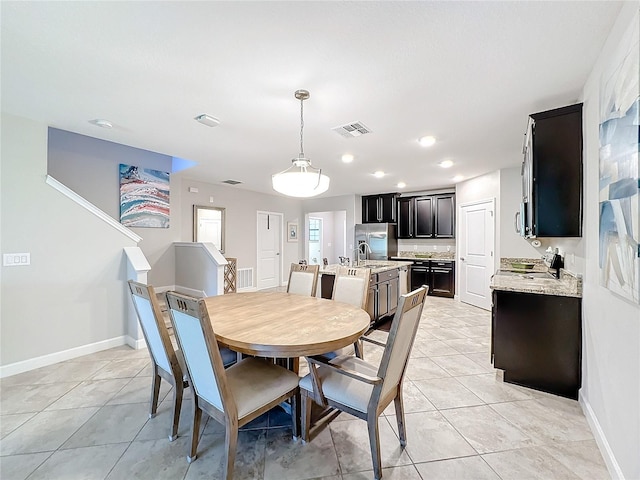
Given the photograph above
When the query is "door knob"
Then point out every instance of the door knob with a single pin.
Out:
(462, 259)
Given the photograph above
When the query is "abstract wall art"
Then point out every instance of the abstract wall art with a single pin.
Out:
(144, 197)
(619, 187)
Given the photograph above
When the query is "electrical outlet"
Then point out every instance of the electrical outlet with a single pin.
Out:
(16, 259)
(435, 248)
(415, 248)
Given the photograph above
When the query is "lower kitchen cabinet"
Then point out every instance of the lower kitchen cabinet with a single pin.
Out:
(442, 279)
(420, 274)
(537, 341)
(438, 275)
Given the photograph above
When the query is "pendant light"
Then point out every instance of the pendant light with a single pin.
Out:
(301, 179)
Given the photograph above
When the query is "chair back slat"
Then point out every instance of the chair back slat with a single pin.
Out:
(401, 336)
(303, 279)
(152, 323)
(202, 356)
(351, 286)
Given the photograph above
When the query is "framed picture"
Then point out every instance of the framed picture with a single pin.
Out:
(292, 232)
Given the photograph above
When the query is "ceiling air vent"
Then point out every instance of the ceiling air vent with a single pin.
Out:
(354, 129)
(231, 182)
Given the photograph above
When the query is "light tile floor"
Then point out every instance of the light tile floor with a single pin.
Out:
(88, 418)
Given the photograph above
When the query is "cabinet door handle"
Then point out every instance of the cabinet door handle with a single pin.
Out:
(462, 259)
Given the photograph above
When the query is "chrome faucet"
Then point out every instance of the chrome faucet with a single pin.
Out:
(362, 248)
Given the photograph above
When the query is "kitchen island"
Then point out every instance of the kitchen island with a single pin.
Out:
(387, 282)
(536, 335)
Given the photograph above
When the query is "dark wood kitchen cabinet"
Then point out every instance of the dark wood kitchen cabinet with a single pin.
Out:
(438, 275)
(537, 340)
(379, 208)
(552, 174)
(424, 217)
(434, 217)
(405, 217)
(444, 216)
(442, 283)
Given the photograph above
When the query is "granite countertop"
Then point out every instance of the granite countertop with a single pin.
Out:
(568, 285)
(376, 266)
(425, 256)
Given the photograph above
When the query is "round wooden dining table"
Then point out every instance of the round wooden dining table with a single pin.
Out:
(284, 325)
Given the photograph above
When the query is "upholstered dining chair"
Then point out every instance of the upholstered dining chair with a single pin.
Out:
(303, 279)
(232, 396)
(362, 389)
(166, 362)
(351, 286)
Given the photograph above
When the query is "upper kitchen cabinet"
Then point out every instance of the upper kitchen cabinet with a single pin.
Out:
(406, 207)
(552, 174)
(379, 208)
(430, 216)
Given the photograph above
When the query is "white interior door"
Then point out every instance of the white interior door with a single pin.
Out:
(477, 244)
(269, 250)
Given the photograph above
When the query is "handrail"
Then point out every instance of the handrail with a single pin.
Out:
(83, 202)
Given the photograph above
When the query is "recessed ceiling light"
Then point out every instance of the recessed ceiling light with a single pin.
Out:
(427, 141)
(347, 158)
(100, 122)
(378, 174)
(446, 163)
(458, 178)
(208, 120)
(401, 185)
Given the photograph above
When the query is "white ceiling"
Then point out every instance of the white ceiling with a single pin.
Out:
(468, 73)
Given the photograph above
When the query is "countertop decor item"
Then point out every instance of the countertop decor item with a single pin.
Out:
(301, 179)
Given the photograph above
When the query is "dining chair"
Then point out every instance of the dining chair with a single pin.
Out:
(232, 396)
(303, 279)
(351, 285)
(167, 363)
(362, 389)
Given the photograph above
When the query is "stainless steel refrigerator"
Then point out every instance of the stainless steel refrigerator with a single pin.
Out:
(381, 238)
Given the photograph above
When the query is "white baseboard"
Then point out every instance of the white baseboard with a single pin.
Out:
(51, 358)
(607, 454)
(136, 344)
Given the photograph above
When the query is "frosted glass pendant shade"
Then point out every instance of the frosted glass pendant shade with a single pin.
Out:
(300, 180)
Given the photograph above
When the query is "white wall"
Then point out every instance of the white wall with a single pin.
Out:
(611, 325)
(73, 293)
(241, 219)
(484, 187)
(89, 167)
(513, 245)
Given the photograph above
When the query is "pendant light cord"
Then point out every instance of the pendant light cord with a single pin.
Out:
(301, 127)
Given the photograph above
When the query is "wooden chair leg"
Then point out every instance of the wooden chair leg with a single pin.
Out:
(178, 390)
(231, 443)
(155, 392)
(398, 403)
(306, 415)
(374, 441)
(195, 432)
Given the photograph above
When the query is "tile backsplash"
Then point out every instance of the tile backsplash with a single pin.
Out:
(427, 246)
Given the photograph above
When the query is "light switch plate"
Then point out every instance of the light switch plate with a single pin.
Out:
(16, 259)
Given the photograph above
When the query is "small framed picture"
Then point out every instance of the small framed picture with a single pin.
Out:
(292, 232)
